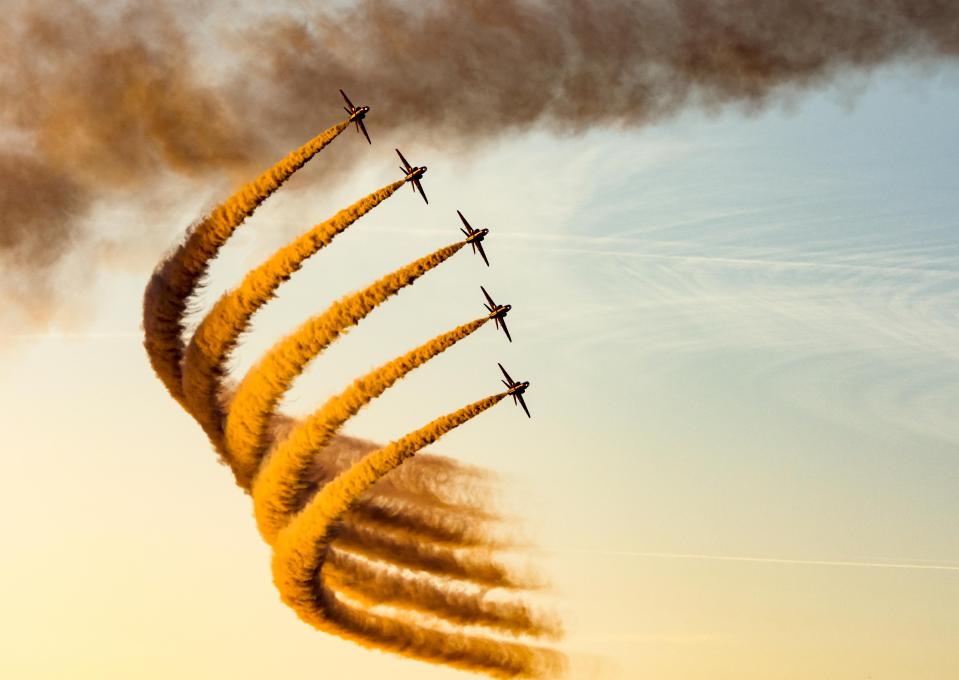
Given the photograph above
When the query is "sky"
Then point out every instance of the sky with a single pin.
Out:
(741, 331)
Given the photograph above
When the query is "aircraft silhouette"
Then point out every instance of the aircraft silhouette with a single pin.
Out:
(357, 114)
(497, 313)
(474, 237)
(515, 389)
(414, 175)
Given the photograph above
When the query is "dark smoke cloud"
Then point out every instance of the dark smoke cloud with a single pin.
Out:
(38, 206)
(104, 102)
(96, 108)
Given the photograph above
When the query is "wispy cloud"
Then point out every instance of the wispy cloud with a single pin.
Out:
(868, 564)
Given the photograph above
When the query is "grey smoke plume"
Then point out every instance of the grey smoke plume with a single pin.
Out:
(103, 102)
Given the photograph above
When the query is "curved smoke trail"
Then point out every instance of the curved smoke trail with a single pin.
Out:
(360, 580)
(282, 480)
(300, 547)
(498, 658)
(300, 554)
(177, 277)
(373, 544)
(259, 392)
(216, 336)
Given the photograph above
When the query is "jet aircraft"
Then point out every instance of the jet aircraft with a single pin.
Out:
(357, 114)
(413, 174)
(515, 389)
(474, 237)
(497, 313)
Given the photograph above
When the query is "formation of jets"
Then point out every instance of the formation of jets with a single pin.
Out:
(413, 174)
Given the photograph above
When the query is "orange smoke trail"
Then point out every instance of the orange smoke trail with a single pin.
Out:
(300, 548)
(260, 391)
(174, 281)
(432, 499)
(430, 514)
(497, 658)
(282, 480)
(218, 333)
(432, 524)
(442, 483)
(376, 584)
(476, 565)
(426, 484)
(373, 585)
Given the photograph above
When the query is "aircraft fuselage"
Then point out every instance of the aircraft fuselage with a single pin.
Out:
(477, 236)
(518, 389)
(499, 311)
(415, 173)
(359, 113)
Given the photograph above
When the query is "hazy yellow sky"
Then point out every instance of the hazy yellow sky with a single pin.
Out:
(742, 338)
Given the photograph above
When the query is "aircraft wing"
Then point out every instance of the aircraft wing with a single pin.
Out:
(406, 163)
(481, 252)
(347, 99)
(492, 304)
(466, 224)
(502, 320)
(422, 193)
(523, 404)
(365, 133)
(511, 381)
